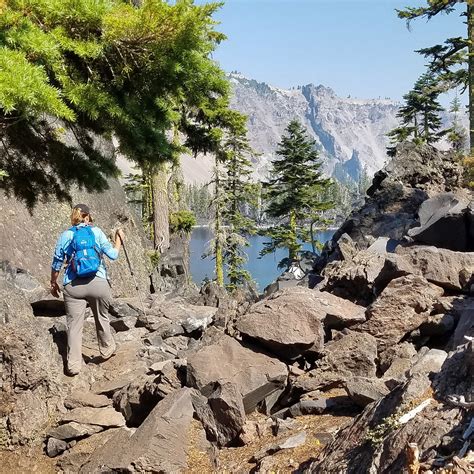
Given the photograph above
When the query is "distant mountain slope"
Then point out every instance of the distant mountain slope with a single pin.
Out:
(350, 133)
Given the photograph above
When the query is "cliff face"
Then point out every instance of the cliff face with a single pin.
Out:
(350, 133)
(27, 240)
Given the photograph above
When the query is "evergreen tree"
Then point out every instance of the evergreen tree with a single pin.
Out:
(239, 192)
(451, 63)
(102, 67)
(420, 115)
(292, 192)
(456, 134)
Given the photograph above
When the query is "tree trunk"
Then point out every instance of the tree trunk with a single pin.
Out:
(161, 230)
(311, 233)
(294, 242)
(470, 29)
(217, 232)
(176, 180)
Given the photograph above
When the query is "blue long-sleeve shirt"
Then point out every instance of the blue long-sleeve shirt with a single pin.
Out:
(63, 249)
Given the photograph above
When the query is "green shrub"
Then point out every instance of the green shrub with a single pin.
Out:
(182, 221)
(154, 258)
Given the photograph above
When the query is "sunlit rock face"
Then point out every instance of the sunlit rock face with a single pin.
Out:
(350, 133)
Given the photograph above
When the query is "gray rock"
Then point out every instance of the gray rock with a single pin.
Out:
(123, 324)
(445, 268)
(108, 208)
(438, 325)
(76, 456)
(55, 447)
(305, 407)
(290, 443)
(444, 222)
(178, 311)
(256, 375)
(158, 367)
(31, 369)
(297, 318)
(222, 414)
(23, 281)
(110, 386)
(86, 399)
(106, 417)
(402, 307)
(352, 354)
(364, 390)
(383, 245)
(160, 444)
(74, 430)
(353, 279)
(404, 350)
(178, 343)
(431, 361)
(286, 324)
(120, 308)
(465, 326)
(391, 207)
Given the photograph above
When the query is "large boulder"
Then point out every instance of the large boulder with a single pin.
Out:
(177, 313)
(445, 221)
(422, 411)
(292, 321)
(401, 308)
(449, 269)
(352, 354)
(222, 413)
(287, 324)
(162, 443)
(256, 375)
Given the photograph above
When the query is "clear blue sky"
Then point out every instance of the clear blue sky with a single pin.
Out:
(357, 47)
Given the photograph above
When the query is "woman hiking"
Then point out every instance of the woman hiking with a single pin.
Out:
(85, 282)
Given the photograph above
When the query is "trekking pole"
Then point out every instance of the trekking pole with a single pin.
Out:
(133, 275)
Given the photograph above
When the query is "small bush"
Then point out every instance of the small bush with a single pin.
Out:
(154, 258)
(182, 221)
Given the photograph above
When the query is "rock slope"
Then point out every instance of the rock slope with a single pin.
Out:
(383, 348)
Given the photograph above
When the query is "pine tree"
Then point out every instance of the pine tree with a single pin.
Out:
(451, 63)
(292, 192)
(239, 192)
(135, 69)
(420, 115)
(456, 134)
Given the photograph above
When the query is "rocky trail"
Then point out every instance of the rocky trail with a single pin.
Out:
(370, 370)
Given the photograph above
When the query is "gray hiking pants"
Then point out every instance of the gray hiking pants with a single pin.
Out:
(96, 292)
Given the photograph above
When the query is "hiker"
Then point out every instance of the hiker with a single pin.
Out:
(85, 282)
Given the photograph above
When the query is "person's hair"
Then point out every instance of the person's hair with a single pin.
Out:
(77, 216)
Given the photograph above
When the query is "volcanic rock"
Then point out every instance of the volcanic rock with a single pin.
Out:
(256, 375)
(160, 444)
(352, 354)
(74, 430)
(290, 322)
(444, 222)
(106, 417)
(445, 268)
(402, 307)
(86, 399)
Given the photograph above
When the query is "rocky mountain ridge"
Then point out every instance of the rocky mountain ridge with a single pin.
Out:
(350, 133)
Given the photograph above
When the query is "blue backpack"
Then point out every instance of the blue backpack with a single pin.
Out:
(85, 257)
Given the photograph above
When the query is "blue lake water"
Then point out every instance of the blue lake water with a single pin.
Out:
(263, 270)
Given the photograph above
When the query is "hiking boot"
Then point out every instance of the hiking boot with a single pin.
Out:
(72, 372)
(107, 353)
